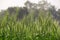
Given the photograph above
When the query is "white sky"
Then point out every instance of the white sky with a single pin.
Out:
(4, 4)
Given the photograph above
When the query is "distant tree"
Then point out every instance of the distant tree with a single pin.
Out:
(22, 12)
(12, 10)
(28, 4)
(44, 5)
(54, 13)
(58, 12)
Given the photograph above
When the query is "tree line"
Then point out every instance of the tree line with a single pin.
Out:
(33, 7)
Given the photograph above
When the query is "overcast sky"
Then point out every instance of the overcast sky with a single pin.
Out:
(4, 4)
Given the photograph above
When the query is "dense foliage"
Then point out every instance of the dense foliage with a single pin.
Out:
(29, 23)
(41, 28)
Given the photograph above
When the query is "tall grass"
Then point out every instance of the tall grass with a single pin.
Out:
(41, 28)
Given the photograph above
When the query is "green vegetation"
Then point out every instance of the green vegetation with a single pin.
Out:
(40, 28)
(32, 22)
